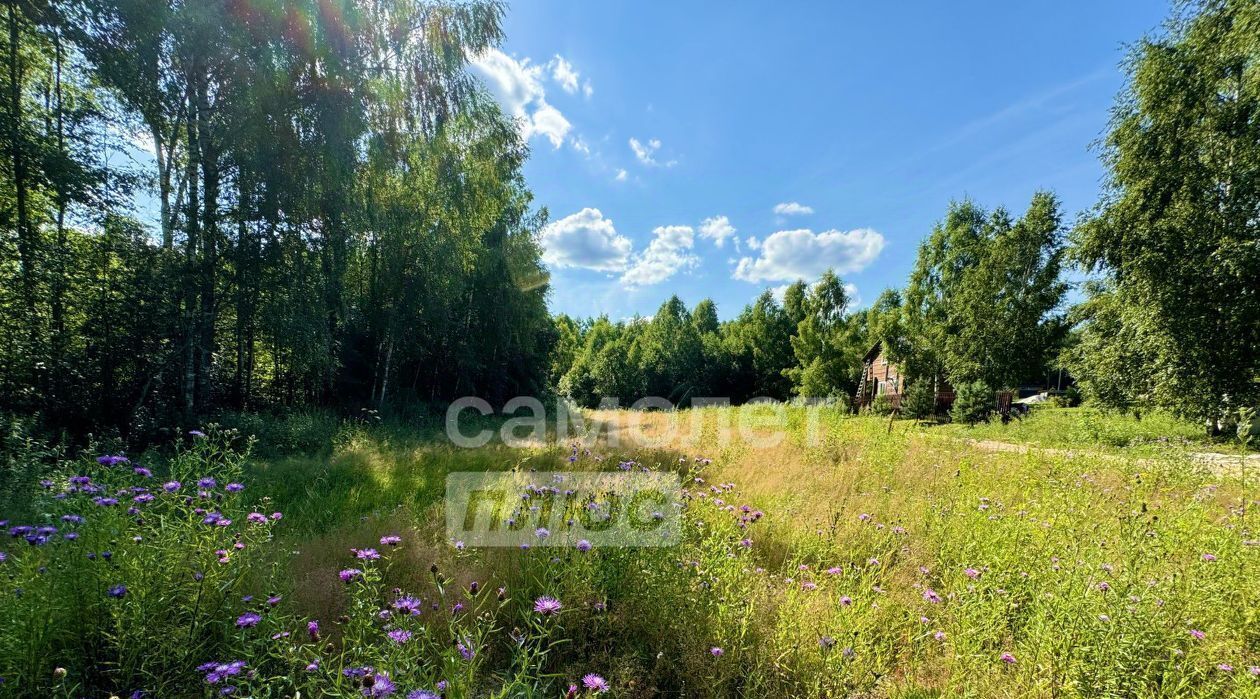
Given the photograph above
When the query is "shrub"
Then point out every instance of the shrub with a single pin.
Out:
(881, 405)
(919, 400)
(973, 402)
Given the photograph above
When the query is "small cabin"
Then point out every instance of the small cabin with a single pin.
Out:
(881, 376)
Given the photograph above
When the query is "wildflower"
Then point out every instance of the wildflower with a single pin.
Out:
(117, 591)
(172, 486)
(1225, 667)
(595, 683)
(3, 557)
(746, 543)
(112, 460)
(972, 573)
(834, 570)
(465, 651)
(583, 545)
(845, 601)
(1007, 658)
(930, 595)
(350, 574)
(547, 606)
(422, 694)
(143, 498)
(312, 629)
(313, 665)
(276, 516)
(278, 636)
(274, 600)
(399, 636)
(219, 671)
(365, 554)
(939, 635)
(143, 472)
(391, 540)
(105, 502)
(1104, 586)
(1208, 557)
(716, 652)
(196, 433)
(459, 546)
(248, 620)
(70, 536)
(808, 586)
(826, 642)
(234, 487)
(381, 686)
(256, 518)
(1254, 670)
(1198, 634)
(542, 532)
(206, 483)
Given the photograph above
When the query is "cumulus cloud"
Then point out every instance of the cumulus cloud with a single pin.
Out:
(622, 175)
(667, 254)
(518, 87)
(646, 152)
(791, 208)
(585, 239)
(717, 229)
(803, 254)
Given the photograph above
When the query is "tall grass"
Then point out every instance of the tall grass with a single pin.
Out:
(868, 562)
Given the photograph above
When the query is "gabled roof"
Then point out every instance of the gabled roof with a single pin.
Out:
(873, 352)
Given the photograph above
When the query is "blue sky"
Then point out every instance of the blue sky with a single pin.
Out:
(659, 130)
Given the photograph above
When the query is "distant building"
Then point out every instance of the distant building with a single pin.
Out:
(882, 377)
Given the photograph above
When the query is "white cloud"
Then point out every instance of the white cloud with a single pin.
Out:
(792, 208)
(622, 175)
(518, 87)
(752, 242)
(667, 254)
(580, 145)
(587, 90)
(803, 254)
(717, 229)
(585, 239)
(646, 152)
(565, 74)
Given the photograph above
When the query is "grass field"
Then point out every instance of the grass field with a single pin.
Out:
(873, 559)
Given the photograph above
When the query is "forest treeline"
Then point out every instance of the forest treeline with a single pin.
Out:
(340, 216)
(337, 218)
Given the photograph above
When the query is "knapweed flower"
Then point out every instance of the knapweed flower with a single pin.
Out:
(716, 652)
(595, 683)
(3, 557)
(172, 486)
(350, 574)
(256, 518)
(459, 546)
(746, 543)
(939, 635)
(845, 601)
(1104, 586)
(465, 650)
(206, 483)
(583, 545)
(930, 595)
(114, 460)
(1198, 634)
(143, 498)
(972, 573)
(234, 487)
(547, 606)
(542, 532)
(826, 642)
(399, 636)
(391, 540)
(365, 554)
(117, 591)
(1007, 658)
(1225, 667)
(248, 620)
(143, 472)
(423, 694)
(105, 502)
(408, 604)
(312, 629)
(274, 600)
(381, 686)
(1208, 557)
(215, 672)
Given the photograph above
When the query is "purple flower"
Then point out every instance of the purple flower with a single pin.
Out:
(312, 628)
(105, 502)
(206, 483)
(72, 519)
(365, 554)
(143, 498)
(381, 686)
(256, 518)
(3, 557)
(391, 540)
(399, 636)
(171, 486)
(716, 652)
(248, 620)
(972, 573)
(1007, 658)
(595, 683)
(1208, 557)
(273, 600)
(117, 591)
(930, 595)
(1198, 634)
(1104, 586)
(583, 545)
(547, 606)
(234, 487)
(218, 671)
(1225, 667)
(465, 651)
(542, 532)
(143, 472)
(112, 460)
(423, 694)
(350, 574)
(407, 604)
(196, 433)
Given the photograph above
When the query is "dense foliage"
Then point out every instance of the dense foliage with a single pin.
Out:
(339, 215)
(1176, 322)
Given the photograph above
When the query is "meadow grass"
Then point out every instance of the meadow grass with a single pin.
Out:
(851, 557)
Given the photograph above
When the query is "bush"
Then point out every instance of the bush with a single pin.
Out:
(882, 405)
(973, 402)
(919, 400)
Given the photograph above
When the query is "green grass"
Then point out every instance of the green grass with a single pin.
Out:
(1155, 433)
(885, 565)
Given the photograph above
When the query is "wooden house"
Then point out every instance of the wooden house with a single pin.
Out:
(882, 377)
